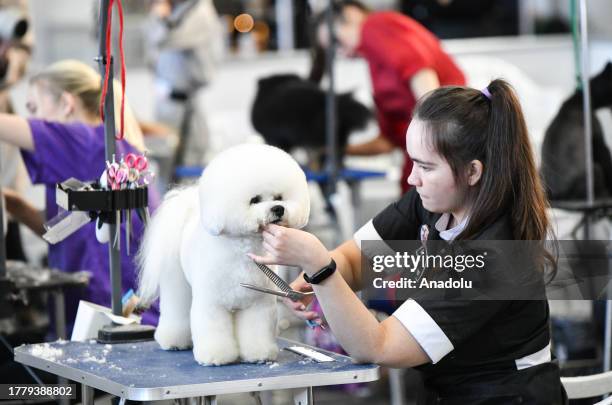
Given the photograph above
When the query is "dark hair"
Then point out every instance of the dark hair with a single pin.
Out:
(464, 124)
(352, 3)
(318, 56)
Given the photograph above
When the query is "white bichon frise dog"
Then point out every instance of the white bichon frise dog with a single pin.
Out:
(195, 249)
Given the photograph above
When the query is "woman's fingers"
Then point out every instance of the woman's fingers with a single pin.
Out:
(299, 309)
(269, 249)
(295, 305)
(308, 300)
(269, 238)
(306, 314)
(267, 259)
(309, 315)
(305, 287)
(274, 229)
(299, 284)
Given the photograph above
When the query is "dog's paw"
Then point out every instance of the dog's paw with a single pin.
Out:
(173, 339)
(251, 352)
(215, 354)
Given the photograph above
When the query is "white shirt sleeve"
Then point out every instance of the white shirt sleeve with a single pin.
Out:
(424, 329)
(369, 233)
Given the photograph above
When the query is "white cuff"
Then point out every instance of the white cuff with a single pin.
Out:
(540, 357)
(369, 233)
(424, 329)
(366, 232)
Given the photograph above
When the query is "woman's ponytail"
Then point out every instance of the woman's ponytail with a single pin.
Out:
(509, 141)
(488, 125)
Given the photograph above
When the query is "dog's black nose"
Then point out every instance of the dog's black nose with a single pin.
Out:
(278, 210)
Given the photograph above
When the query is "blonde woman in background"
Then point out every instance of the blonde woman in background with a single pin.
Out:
(63, 138)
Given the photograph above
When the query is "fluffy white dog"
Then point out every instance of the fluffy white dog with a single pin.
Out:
(195, 249)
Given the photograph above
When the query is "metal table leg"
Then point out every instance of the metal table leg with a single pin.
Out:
(210, 400)
(87, 395)
(60, 314)
(303, 396)
(60, 329)
(396, 382)
(257, 397)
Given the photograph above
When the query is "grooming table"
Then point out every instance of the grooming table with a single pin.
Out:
(144, 372)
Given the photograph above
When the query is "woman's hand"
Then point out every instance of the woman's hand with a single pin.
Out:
(293, 247)
(299, 308)
(23, 211)
(13, 200)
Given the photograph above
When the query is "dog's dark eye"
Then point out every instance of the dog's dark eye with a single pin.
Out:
(278, 197)
(255, 200)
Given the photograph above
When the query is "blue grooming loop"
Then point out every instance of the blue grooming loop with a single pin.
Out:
(187, 172)
(145, 372)
(350, 175)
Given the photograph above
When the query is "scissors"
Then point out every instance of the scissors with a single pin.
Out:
(138, 162)
(285, 289)
(116, 175)
(136, 165)
(292, 295)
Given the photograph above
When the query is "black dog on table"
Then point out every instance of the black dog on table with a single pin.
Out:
(289, 112)
(563, 156)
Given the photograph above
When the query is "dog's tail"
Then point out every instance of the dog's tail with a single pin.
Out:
(160, 249)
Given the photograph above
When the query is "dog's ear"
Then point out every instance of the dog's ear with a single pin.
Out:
(212, 220)
(214, 230)
(212, 225)
(212, 215)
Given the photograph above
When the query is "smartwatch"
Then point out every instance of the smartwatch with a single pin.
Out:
(322, 274)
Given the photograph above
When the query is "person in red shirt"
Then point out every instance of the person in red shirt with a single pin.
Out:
(406, 61)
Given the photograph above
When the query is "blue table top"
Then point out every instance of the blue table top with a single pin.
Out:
(143, 371)
(347, 174)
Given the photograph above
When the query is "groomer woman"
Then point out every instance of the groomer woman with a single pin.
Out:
(65, 138)
(474, 178)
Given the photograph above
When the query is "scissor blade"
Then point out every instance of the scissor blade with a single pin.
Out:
(265, 290)
(282, 284)
(275, 278)
(292, 295)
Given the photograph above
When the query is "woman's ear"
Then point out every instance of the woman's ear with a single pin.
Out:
(67, 104)
(474, 174)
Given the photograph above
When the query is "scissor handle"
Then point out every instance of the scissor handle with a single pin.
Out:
(298, 295)
(113, 175)
(136, 162)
